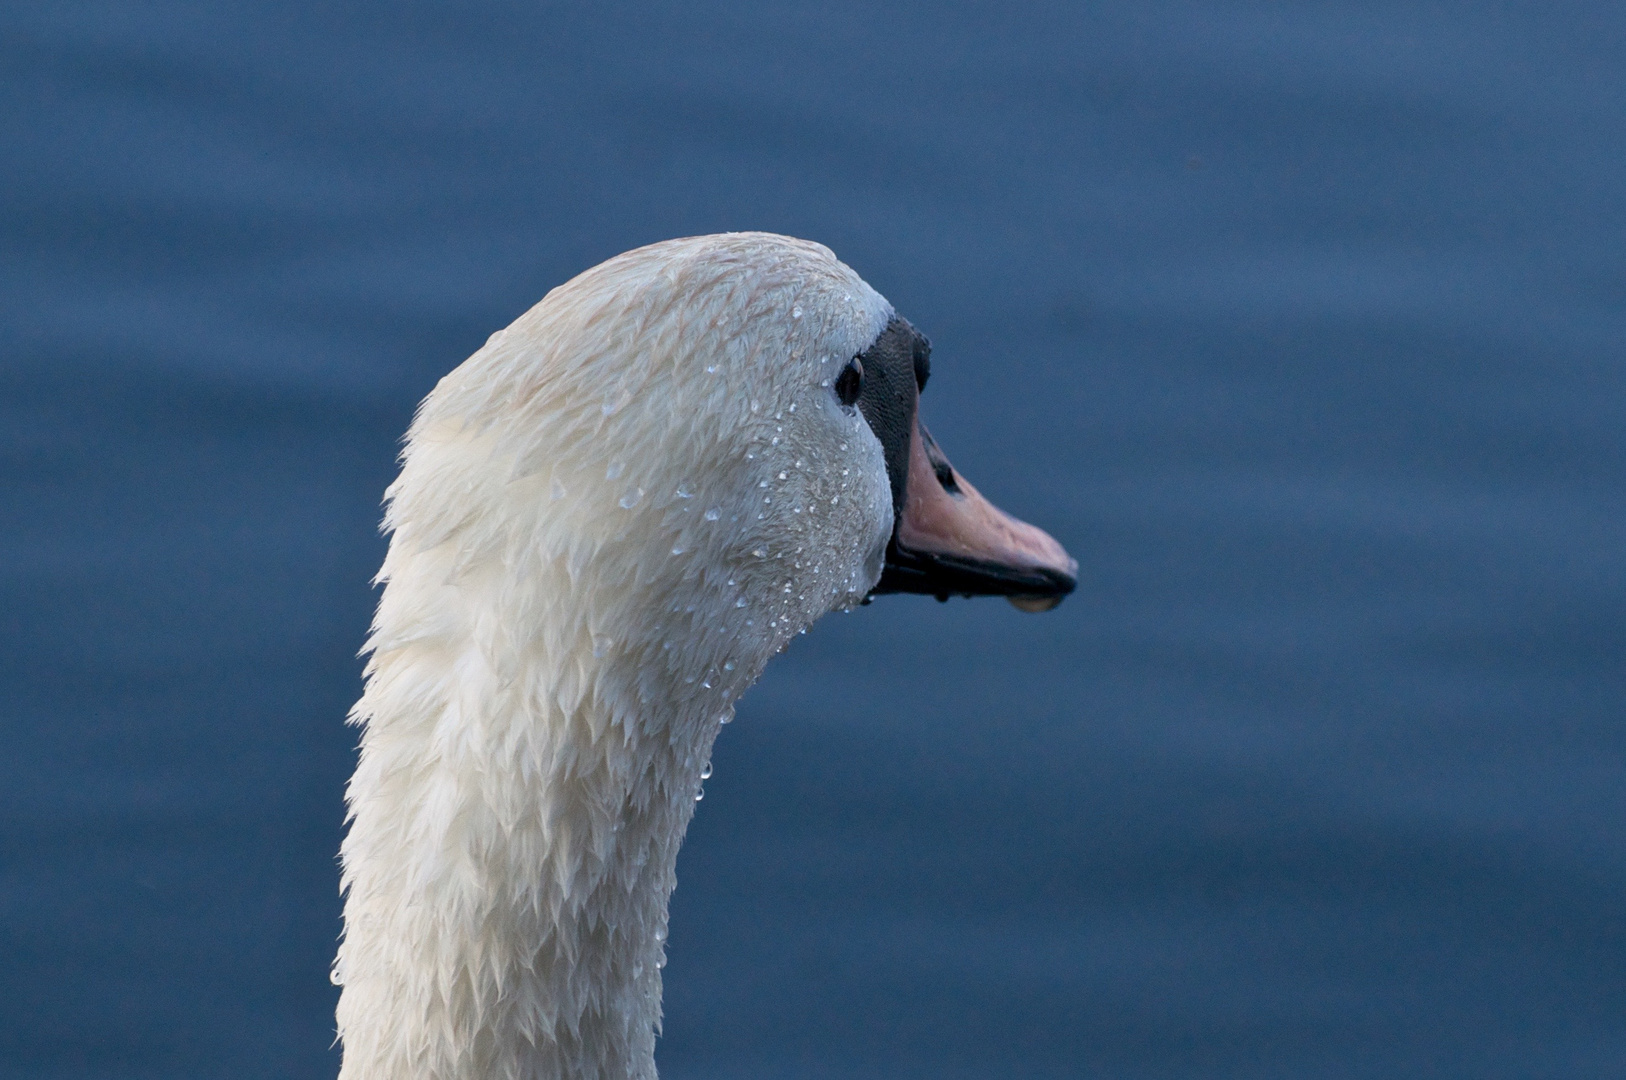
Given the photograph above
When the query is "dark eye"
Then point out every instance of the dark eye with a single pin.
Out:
(850, 383)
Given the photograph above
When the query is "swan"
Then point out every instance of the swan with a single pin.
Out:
(607, 521)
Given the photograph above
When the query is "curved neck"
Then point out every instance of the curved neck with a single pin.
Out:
(515, 819)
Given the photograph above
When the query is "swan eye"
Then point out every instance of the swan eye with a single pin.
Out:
(850, 383)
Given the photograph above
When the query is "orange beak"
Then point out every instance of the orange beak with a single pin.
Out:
(950, 541)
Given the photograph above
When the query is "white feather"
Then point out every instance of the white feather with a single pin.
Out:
(607, 521)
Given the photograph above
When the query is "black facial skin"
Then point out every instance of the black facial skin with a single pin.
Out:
(890, 394)
(888, 378)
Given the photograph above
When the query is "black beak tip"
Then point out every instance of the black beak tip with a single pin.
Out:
(1061, 586)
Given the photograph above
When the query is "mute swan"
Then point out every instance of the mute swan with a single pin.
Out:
(607, 520)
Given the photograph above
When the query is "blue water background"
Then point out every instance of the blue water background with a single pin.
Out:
(1301, 324)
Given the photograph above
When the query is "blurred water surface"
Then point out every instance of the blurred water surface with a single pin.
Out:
(1300, 323)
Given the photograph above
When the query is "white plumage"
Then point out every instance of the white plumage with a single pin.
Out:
(607, 521)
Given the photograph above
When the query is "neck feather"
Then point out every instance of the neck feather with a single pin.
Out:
(528, 767)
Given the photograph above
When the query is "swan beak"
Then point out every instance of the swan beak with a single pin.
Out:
(950, 541)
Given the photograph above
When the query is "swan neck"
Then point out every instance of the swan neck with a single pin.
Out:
(515, 820)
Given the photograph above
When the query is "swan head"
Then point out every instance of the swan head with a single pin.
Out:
(714, 440)
(607, 520)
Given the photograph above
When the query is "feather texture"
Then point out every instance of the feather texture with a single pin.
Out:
(607, 520)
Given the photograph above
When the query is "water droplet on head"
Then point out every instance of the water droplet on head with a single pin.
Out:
(755, 405)
(796, 311)
(760, 553)
(630, 499)
(700, 794)
(740, 602)
(711, 369)
(728, 665)
(615, 470)
(677, 549)
(713, 514)
(683, 492)
(705, 773)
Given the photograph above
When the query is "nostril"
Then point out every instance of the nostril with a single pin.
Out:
(940, 466)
